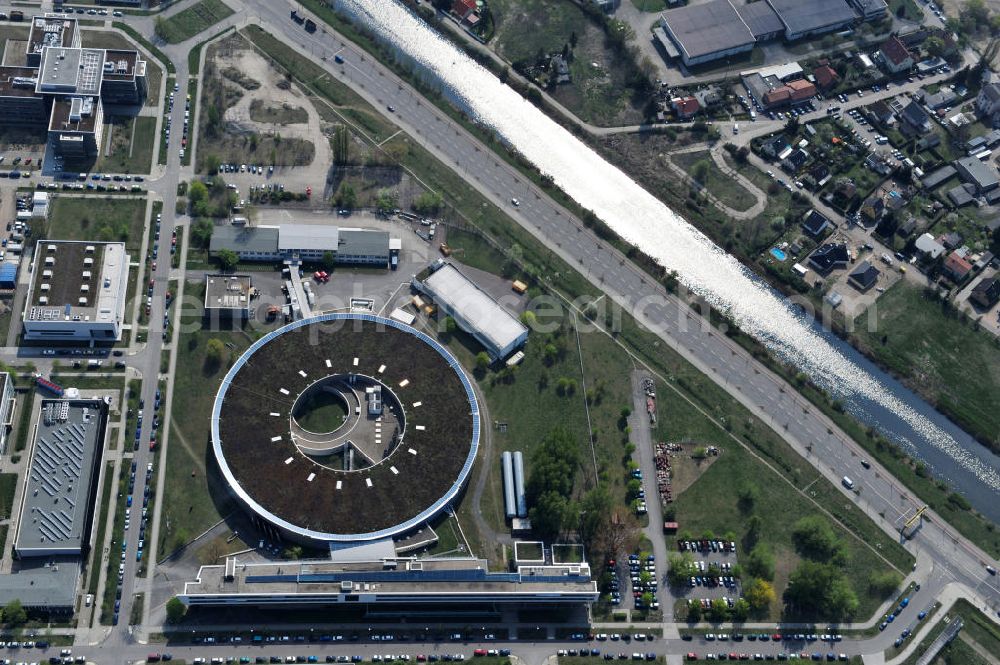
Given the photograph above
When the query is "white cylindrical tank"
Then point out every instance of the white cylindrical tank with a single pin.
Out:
(509, 503)
(522, 503)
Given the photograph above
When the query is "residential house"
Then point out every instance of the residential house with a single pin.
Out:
(774, 146)
(795, 161)
(882, 113)
(939, 176)
(560, 69)
(950, 240)
(940, 99)
(979, 174)
(986, 293)
(962, 195)
(928, 247)
(826, 77)
(821, 174)
(872, 209)
(894, 55)
(908, 226)
(928, 142)
(864, 276)
(956, 267)
(708, 97)
(466, 11)
(879, 163)
(915, 119)
(988, 102)
(845, 190)
(814, 223)
(685, 107)
(829, 257)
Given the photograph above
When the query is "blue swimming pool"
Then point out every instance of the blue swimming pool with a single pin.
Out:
(778, 254)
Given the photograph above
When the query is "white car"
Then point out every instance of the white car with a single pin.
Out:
(516, 202)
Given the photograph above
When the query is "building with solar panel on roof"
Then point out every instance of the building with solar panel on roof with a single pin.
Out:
(68, 86)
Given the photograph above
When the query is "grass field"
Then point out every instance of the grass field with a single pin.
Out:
(929, 347)
(94, 218)
(8, 485)
(194, 494)
(699, 165)
(188, 23)
(101, 525)
(131, 145)
(685, 379)
(321, 412)
(285, 114)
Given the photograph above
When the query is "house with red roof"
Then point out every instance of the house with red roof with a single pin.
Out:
(685, 107)
(466, 10)
(957, 267)
(826, 77)
(895, 56)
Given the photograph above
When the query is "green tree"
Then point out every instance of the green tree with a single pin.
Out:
(719, 611)
(482, 361)
(175, 610)
(450, 325)
(328, 260)
(227, 259)
(821, 590)
(754, 526)
(760, 562)
(346, 196)
(160, 28)
(201, 231)
(386, 200)
(815, 538)
(694, 611)
(741, 610)
(551, 514)
(341, 146)
(214, 351)
(680, 568)
(428, 203)
(14, 614)
(885, 583)
(934, 46)
(759, 594)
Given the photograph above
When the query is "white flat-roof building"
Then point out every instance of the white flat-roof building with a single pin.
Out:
(77, 291)
(6, 408)
(227, 296)
(475, 311)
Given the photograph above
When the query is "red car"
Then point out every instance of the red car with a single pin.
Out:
(152, 444)
(309, 191)
(479, 652)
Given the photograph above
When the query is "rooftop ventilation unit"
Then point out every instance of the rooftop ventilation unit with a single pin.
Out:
(82, 301)
(50, 260)
(89, 249)
(46, 274)
(75, 109)
(45, 286)
(44, 300)
(50, 248)
(88, 261)
(86, 274)
(85, 288)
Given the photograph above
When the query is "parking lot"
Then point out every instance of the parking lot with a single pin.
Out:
(715, 560)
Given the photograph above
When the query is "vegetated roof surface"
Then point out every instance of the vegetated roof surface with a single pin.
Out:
(274, 473)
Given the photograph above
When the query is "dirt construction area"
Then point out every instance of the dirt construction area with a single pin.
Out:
(240, 85)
